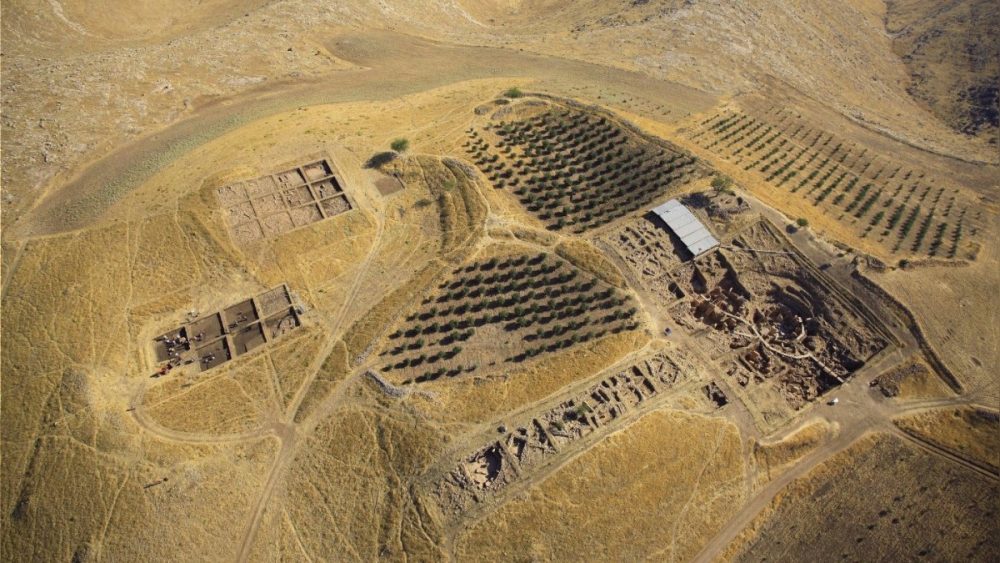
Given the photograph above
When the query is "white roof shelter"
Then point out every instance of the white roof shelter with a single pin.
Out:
(686, 226)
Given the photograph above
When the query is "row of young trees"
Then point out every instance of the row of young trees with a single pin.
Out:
(556, 315)
(831, 175)
(572, 170)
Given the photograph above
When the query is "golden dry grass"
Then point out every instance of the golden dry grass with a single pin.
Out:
(960, 322)
(971, 432)
(880, 499)
(589, 259)
(237, 398)
(347, 495)
(480, 400)
(334, 370)
(62, 311)
(658, 490)
(291, 361)
(81, 309)
(773, 458)
(120, 518)
(369, 328)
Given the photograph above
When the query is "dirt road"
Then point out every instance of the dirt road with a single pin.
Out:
(392, 67)
(389, 74)
(860, 411)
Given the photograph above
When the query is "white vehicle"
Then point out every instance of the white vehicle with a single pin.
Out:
(833, 401)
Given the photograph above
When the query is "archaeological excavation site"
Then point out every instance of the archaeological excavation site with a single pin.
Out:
(499, 281)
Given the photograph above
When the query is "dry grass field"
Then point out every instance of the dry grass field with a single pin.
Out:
(956, 323)
(771, 458)
(636, 512)
(356, 281)
(912, 380)
(882, 498)
(972, 432)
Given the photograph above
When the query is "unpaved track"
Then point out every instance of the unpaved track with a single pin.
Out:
(861, 411)
(282, 428)
(714, 548)
(338, 319)
(393, 64)
(275, 474)
(147, 424)
(390, 74)
(935, 449)
(287, 452)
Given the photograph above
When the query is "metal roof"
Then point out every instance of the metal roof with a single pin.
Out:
(686, 226)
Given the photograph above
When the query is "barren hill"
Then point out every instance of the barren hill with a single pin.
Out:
(494, 279)
(952, 50)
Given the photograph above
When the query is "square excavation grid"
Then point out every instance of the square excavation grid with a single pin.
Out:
(214, 339)
(272, 205)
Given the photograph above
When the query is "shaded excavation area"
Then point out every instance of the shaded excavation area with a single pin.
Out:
(781, 328)
(783, 333)
(215, 339)
(774, 319)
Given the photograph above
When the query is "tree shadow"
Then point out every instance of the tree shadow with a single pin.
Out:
(380, 159)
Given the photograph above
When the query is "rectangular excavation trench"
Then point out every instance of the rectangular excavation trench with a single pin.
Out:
(239, 329)
(274, 204)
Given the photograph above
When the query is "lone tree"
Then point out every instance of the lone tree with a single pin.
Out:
(400, 145)
(802, 222)
(722, 183)
(514, 92)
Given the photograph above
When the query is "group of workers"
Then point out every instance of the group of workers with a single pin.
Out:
(176, 344)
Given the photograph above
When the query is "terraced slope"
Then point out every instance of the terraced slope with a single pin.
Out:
(904, 210)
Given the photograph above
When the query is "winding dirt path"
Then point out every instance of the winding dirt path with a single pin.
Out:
(861, 411)
(391, 65)
(290, 437)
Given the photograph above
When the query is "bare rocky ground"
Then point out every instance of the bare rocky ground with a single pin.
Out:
(953, 56)
(81, 86)
(482, 368)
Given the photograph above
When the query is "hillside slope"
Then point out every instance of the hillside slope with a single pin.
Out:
(952, 50)
(78, 85)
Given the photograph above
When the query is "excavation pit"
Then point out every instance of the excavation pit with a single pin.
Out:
(248, 338)
(271, 205)
(306, 214)
(213, 354)
(327, 188)
(317, 170)
(298, 196)
(274, 300)
(214, 339)
(240, 315)
(283, 323)
(388, 185)
(206, 329)
(774, 320)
